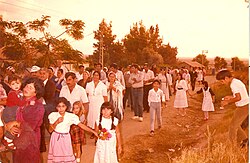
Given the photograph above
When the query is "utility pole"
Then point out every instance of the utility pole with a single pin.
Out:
(101, 50)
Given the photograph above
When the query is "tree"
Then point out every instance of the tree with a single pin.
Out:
(219, 63)
(18, 46)
(237, 64)
(202, 59)
(168, 54)
(142, 45)
(105, 39)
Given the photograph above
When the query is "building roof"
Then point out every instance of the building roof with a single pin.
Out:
(193, 63)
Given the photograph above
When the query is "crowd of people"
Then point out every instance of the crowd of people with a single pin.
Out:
(65, 103)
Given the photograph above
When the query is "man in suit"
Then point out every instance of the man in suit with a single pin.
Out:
(48, 101)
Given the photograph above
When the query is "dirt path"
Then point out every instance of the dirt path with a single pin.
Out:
(177, 132)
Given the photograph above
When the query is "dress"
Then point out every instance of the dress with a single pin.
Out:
(180, 100)
(164, 85)
(207, 104)
(96, 99)
(106, 149)
(60, 147)
(28, 143)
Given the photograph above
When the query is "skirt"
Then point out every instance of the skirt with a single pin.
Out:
(60, 148)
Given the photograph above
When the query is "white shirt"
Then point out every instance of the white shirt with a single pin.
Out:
(68, 120)
(147, 76)
(120, 77)
(238, 87)
(79, 76)
(78, 94)
(139, 78)
(155, 96)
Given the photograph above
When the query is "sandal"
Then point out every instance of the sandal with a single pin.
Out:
(152, 133)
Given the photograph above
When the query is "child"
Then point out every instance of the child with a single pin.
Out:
(14, 100)
(241, 99)
(155, 97)
(208, 99)
(109, 134)
(77, 134)
(60, 148)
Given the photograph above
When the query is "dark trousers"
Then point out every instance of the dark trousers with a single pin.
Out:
(193, 84)
(127, 95)
(146, 89)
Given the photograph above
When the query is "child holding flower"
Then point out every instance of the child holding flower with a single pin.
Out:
(108, 136)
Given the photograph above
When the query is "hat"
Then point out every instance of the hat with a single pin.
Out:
(35, 69)
(10, 68)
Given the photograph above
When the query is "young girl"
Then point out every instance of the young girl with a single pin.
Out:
(155, 97)
(208, 99)
(77, 134)
(109, 134)
(14, 100)
(60, 148)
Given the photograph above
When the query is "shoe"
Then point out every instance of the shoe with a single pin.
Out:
(140, 119)
(152, 133)
(135, 117)
(244, 143)
(9, 145)
(159, 127)
(205, 119)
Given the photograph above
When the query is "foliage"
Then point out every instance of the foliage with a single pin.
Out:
(168, 54)
(220, 63)
(105, 39)
(202, 59)
(17, 45)
(237, 64)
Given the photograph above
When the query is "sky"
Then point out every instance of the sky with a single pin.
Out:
(220, 27)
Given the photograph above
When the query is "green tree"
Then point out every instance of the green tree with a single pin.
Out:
(237, 64)
(202, 59)
(105, 39)
(17, 45)
(168, 54)
(219, 63)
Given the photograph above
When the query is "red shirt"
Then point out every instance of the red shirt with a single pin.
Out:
(14, 100)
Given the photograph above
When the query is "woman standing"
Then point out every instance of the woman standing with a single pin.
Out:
(97, 94)
(31, 117)
(86, 79)
(180, 101)
(164, 83)
(115, 95)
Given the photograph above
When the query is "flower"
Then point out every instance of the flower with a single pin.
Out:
(103, 134)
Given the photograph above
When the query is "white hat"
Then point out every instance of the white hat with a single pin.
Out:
(35, 69)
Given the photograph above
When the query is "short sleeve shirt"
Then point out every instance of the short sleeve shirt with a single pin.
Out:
(78, 94)
(238, 87)
(69, 119)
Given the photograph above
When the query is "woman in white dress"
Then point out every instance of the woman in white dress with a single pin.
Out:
(200, 76)
(164, 83)
(180, 101)
(97, 94)
(115, 95)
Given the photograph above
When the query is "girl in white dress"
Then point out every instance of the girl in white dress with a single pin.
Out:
(180, 101)
(97, 94)
(60, 147)
(208, 99)
(108, 136)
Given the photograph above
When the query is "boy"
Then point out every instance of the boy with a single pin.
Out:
(241, 99)
(155, 97)
(14, 100)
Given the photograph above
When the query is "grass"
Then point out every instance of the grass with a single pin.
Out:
(218, 150)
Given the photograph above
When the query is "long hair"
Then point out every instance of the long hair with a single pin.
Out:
(108, 106)
(78, 103)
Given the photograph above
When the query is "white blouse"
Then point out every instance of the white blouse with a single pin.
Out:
(68, 120)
